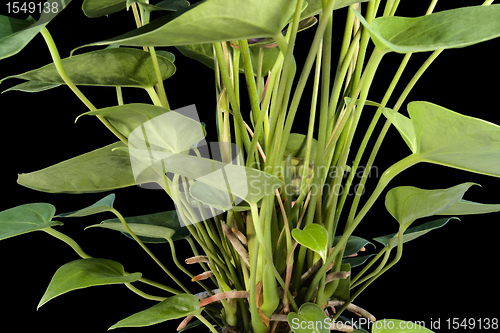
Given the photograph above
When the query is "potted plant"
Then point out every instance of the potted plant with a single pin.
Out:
(270, 225)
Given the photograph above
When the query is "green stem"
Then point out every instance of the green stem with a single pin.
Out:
(161, 88)
(64, 76)
(386, 177)
(122, 220)
(154, 96)
(207, 323)
(119, 95)
(143, 294)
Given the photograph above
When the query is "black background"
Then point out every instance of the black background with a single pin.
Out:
(448, 273)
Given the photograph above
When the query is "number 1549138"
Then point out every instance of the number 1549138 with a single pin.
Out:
(15, 7)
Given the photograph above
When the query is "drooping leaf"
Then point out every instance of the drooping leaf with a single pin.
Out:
(448, 138)
(314, 237)
(398, 326)
(354, 244)
(103, 205)
(126, 118)
(144, 230)
(414, 232)
(83, 273)
(125, 67)
(452, 28)
(211, 21)
(15, 34)
(103, 169)
(174, 307)
(408, 203)
(168, 219)
(465, 207)
(305, 320)
(26, 218)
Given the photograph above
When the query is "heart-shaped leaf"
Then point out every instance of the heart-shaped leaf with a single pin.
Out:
(26, 218)
(453, 28)
(103, 169)
(414, 232)
(448, 138)
(83, 273)
(398, 326)
(126, 118)
(103, 205)
(310, 319)
(15, 34)
(107, 67)
(408, 203)
(168, 219)
(314, 237)
(174, 307)
(145, 230)
(211, 21)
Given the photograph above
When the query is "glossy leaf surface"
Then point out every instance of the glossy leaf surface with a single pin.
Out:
(212, 21)
(125, 67)
(103, 205)
(103, 169)
(408, 203)
(15, 34)
(26, 218)
(414, 232)
(174, 307)
(168, 219)
(314, 237)
(83, 273)
(398, 326)
(305, 320)
(126, 118)
(453, 28)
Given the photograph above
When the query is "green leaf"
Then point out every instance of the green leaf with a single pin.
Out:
(315, 6)
(123, 67)
(408, 203)
(97, 8)
(453, 28)
(306, 320)
(174, 307)
(33, 86)
(404, 126)
(398, 326)
(412, 233)
(103, 169)
(145, 230)
(169, 5)
(15, 34)
(83, 273)
(211, 21)
(26, 218)
(168, 219)
(448, 138)
(126, 118)
(354, 244)
(297, 144)
(314, 237)
(103, 205)
(356, 261)
(464, 207)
